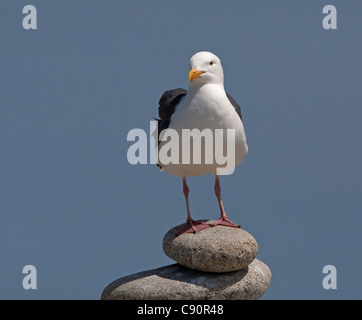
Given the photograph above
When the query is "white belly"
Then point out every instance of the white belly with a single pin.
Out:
(208, 109)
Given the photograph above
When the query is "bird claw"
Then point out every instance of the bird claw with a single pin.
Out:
(225, 222)
(192, 226)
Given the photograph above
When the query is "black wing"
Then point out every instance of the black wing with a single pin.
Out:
(235, 105)
(166, 107)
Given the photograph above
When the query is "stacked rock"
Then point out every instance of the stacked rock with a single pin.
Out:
(215, 263)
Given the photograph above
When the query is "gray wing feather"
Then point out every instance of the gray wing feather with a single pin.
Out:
(167, 105)
(235, 105)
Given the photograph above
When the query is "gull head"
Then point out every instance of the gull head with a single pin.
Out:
(205, 67)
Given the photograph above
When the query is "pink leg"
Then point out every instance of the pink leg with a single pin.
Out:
(191, 226)
(224, 220)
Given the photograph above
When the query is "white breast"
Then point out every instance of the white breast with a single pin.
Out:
(205, 108)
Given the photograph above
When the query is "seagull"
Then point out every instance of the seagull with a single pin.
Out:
(204, 105)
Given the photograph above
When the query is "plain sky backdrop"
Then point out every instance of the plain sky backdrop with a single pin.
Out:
(70, 91)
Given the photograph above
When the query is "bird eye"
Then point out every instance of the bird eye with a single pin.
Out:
(211, 63)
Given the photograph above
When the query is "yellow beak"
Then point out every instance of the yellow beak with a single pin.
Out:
(194, 73)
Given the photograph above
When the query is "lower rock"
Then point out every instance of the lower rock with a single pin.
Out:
(175, 282)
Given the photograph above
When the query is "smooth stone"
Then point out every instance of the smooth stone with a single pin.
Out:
(175, 282)
(215, 249)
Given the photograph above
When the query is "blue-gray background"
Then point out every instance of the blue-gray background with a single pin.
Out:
(72, 205)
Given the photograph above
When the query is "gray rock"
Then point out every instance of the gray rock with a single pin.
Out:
(216, 249)
(175, 282)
